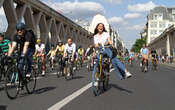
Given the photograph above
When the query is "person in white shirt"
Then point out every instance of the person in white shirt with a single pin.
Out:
(101, 38)
(70, 49)
(40, 52)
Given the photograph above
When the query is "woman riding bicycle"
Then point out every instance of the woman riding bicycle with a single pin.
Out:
(101, 37)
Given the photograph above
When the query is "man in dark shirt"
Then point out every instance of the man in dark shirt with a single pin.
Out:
(24, 41)
(154, 54)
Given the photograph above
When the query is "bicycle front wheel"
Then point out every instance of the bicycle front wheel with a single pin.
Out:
(12, 82)
(31, 82)
(96, 84)
(106, 83)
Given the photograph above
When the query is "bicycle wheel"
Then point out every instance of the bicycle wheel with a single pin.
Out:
(12, 82)
(106, 83)
(1, 72)
(59, 71)
(68, 74)
(31, 82)
(96, 85)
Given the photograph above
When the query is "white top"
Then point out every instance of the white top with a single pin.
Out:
(70, 49)
(101, 39)
(39, 48)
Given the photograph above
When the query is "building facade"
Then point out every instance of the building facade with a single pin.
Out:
(159, 19)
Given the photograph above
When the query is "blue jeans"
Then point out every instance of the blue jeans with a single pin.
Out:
(119, 67)
(28, 59)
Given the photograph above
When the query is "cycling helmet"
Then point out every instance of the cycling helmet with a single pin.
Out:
(38, 41)
(60, 42)
(20, 26)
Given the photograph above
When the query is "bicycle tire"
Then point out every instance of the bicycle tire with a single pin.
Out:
(106, 83)
(12, 78)
(59, 71)
(96, 85)
(1, 73)
(31, 88)
(68, 70)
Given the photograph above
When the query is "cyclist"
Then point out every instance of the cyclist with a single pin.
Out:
(5, 44)
(154, 55)
(144, 53)
(131, 57)
(70, 50)
(40, 52)
(24, 41)
(81, 53)
(89, 54)
(60, 50)
(101, 37)
(52, 54)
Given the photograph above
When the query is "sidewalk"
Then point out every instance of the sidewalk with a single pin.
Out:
(168, 64)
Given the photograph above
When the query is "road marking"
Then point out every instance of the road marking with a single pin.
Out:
(69, 98)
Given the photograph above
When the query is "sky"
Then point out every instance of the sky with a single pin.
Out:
(128, 17)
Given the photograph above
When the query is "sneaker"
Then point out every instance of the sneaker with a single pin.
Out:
(28, 75)
(68, 74)
(128, 75)
(43, 73)
(140, 64)
(74, 68)
(95, 83)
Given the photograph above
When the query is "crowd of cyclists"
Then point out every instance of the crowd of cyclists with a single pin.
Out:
(27, 47)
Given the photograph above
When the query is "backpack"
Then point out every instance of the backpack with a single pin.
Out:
(33, 34)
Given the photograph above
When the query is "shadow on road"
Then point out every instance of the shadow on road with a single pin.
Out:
(78, 77)
(120, 88)
(43, 90)
(1, 89)
(3, 107)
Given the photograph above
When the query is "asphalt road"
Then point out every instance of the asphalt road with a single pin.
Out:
(144, 91)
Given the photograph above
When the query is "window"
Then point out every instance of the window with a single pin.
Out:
(173, 11)
(173, 17)
(153, 32)
(158, 16)
(162, 24)
(153, 24)
(155, 17)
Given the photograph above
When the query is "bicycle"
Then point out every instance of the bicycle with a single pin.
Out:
(100, 77)
(60, 68)
(144, 65)
(2, 66)
(89, 65)
(39, 65)
(81, 61)
(154, 62)
(14, 82)
(68, 67)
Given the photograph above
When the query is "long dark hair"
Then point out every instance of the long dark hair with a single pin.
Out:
(96, 30)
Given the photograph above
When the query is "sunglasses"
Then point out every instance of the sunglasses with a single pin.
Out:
(19, 30)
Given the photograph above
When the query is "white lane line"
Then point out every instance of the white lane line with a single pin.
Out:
(69, 98)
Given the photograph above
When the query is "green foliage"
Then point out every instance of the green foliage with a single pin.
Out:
(138, 45)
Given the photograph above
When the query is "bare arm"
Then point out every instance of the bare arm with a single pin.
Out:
(12, 48)
(110, 41)
(26, 45)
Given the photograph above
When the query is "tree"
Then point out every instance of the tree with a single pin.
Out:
(138, 45)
